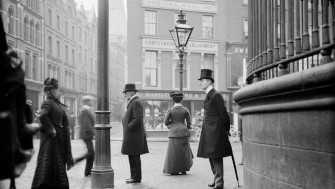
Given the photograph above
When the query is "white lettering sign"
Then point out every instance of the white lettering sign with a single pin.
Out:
(191, 46)
(176, 5)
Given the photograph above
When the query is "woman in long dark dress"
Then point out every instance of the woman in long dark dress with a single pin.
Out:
(179, 157)
(55, 147)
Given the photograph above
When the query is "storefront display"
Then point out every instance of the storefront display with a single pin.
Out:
(156, 103)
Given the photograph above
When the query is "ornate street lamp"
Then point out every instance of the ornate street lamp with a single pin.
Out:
(181, 34)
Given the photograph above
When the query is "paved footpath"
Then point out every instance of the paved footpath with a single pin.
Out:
(152, 169)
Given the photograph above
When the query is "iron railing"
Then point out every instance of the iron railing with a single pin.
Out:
(274, 50)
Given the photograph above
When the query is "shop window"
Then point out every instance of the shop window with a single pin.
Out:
(154, 114)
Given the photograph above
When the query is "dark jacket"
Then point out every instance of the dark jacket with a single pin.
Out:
(214, 140)
(175, 121)
(55, 152)
(86, 122)
(134, 137)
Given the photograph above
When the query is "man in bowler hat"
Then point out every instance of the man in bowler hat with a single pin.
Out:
(214, 142)
(134, 141)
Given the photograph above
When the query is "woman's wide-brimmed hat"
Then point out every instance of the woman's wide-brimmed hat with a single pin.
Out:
(130, 87)
(176, 94)
(206, 74)
(50, 84)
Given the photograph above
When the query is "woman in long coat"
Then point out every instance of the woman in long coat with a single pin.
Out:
(55, 147)
(179, 157)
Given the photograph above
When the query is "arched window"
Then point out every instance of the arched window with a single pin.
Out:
(26, 29)
(37, 35)
(32, 26)
(10, 20)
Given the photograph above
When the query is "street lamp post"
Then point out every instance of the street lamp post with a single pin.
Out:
(181, 34)
(102, 172)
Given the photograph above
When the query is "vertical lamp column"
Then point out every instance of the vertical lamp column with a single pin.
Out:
(181, 34)
(102, 172)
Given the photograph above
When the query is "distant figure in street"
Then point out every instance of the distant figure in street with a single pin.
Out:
(72, 122)
(86, 122)
(134, 141)
(54, 157)
(214, 141)
(179, 157)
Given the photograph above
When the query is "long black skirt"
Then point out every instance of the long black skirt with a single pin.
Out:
(50, 170)
(179, 156)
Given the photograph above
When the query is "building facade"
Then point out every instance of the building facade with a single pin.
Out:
(54, 39)
(24, 24)
(152, 57)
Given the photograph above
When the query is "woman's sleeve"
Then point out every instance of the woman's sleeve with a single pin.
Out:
(167, 120)
(188, 119)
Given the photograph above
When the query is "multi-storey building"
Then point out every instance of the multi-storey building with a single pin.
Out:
(117, 58)
(24, 24)
(152, 57)
(116, 78)
(54, 39)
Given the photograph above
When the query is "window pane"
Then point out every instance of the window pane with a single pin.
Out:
(150, 69)
(207, 26)
(150, 22)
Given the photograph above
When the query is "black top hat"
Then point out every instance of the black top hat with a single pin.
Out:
(206, 74)
(176, 94)
(130, 87)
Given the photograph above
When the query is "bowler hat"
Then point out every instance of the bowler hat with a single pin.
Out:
(130, 87)
(176, 94)
(206, 74)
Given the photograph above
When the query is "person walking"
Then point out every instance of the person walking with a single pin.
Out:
(179, 157)
(134, 141)
(86, 122)
(214, 140)
(72, 123)
(54, 156)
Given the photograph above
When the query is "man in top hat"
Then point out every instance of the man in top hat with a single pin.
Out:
(214, 142)
(134, 141)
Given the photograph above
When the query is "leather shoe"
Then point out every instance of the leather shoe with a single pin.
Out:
(217, 187)
(211, 185)
(130, 181)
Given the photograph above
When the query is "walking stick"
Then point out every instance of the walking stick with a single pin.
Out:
(232, 157)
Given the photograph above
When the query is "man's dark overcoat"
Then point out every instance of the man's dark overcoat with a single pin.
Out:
(86, 122)
(214, 140)
(134, 138)
(55, 152)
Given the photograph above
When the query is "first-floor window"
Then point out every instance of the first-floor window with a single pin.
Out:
(34, 66)
(27, 64)
(150, 69)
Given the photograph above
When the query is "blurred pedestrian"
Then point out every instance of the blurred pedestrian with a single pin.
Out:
(214, 140)
(54, 157)
(86, 123)
(72, 123)
(29, 111)
(179, 157)
(134, 141)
